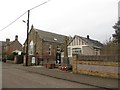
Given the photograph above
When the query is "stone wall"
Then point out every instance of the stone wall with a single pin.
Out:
(96, 67)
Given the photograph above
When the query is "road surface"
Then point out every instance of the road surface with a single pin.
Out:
(16, 78)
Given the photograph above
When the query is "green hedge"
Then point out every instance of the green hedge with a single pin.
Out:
(11, 57)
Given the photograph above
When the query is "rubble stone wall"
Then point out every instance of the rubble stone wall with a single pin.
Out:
(102, 68)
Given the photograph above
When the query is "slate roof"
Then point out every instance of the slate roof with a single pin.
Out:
(91, 42)
(49, 36)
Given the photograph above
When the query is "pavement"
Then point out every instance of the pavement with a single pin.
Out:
(106, 83)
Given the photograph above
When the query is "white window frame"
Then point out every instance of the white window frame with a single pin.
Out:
(76, 51)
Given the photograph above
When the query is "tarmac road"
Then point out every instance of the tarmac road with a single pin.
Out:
(16, 78)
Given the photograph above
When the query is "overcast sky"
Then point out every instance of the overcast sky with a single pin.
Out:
(67, 17)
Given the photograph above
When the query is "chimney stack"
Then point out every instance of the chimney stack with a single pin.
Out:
(88, 37)
(16, 37)
(7, 41)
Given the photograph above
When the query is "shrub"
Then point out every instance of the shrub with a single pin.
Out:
(11, 57)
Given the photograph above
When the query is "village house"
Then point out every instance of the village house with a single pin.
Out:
(9, 47)
(43, 45)
(13, 46)
(84, 46)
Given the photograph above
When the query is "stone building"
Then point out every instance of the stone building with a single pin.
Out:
(13, 46)
(8, 47)
(43, 45)
(84, 46)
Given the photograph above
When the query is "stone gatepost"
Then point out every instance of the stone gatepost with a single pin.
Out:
(75, 57)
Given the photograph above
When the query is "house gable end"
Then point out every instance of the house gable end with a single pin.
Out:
(16, 45)
(77, 41)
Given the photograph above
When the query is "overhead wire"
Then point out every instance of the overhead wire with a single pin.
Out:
(22, 15)
(14, 21)
(39, 5)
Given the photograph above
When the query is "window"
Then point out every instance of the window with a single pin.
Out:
(69, 51)
(31, 48)
(76, 50)
(50, 50)
(96, 52)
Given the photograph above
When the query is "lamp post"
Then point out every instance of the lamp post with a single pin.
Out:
(27, 38)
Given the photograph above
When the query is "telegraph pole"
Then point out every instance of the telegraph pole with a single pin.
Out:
(27, 41)
(27, 38)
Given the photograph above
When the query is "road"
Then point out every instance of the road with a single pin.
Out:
(16, 78)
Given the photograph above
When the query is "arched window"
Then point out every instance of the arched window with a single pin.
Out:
(31, 48)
